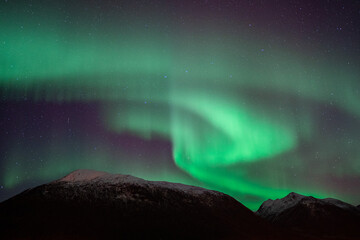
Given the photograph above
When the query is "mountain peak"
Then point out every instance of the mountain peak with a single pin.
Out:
(272, 207)
(294, 195)
(82, 175)
(328, 216)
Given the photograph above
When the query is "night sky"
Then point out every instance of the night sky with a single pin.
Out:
(252, 98)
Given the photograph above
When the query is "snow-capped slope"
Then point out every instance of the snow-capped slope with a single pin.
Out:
(340, 204)
(323, 217)
(84, 176)
(271, 208)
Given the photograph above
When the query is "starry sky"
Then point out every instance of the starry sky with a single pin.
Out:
(252, 98)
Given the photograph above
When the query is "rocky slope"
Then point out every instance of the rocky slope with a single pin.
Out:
(326, 218)
(97, 205)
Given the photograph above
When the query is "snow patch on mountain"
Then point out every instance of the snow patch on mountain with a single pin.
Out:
(340, 204)
(270, 209)
(84, 176)
(273, 207)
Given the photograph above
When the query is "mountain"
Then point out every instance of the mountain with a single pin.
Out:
(326, 218)
(89, 204)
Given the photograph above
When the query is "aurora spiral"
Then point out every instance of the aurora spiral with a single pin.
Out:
(249, 98)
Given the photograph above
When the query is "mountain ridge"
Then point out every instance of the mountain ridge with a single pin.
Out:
(320, 217)
(87, 204)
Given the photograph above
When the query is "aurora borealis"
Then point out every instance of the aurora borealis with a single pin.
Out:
(252, 98)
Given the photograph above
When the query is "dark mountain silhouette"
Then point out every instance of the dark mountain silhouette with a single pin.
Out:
(97, 205)
(326, 218)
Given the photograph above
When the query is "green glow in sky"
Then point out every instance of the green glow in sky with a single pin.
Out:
(226, 103)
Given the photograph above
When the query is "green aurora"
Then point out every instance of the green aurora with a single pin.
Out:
(230, 105)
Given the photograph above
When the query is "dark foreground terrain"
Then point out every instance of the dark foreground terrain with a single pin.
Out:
(96, 205)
